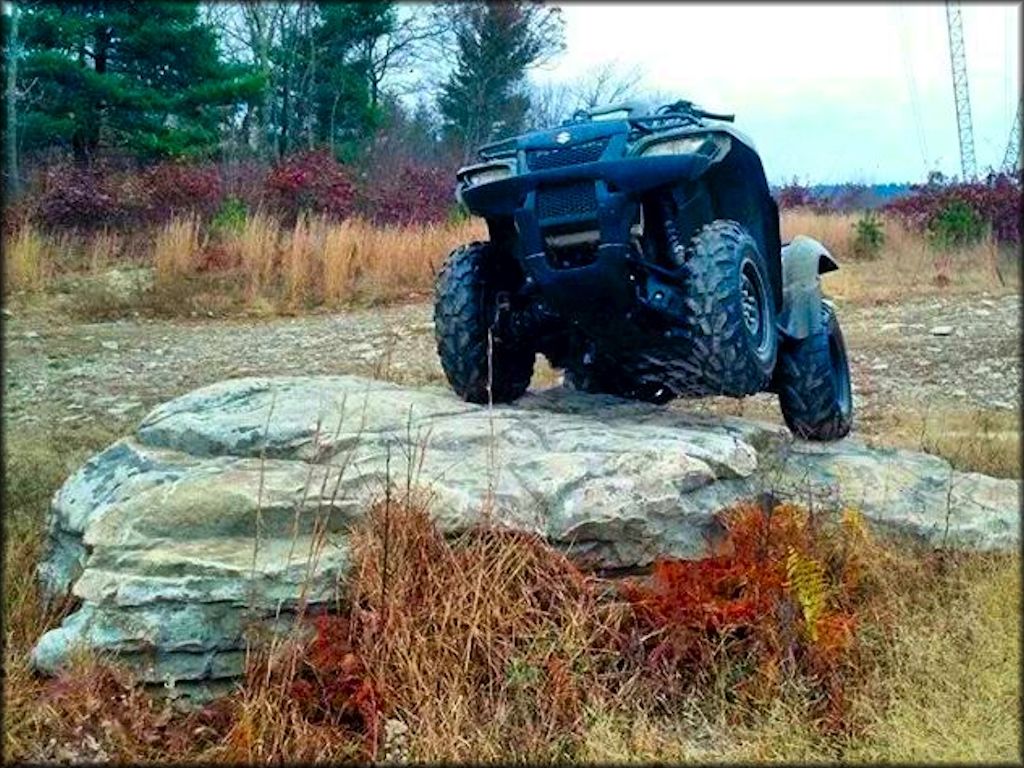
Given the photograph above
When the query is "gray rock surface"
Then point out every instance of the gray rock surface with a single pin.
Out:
(231, 506)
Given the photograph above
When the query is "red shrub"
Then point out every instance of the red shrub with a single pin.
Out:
(175, 188)
(794, 195)
(996, 201)
(311, 181)
(413, 194)
(244, 180)
(747, 602)
(333, 685)
(65, 195)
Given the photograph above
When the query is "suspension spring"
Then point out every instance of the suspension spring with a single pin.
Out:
(676, 251)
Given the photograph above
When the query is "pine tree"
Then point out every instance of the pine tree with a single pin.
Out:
(345, 93)
(145, 77)
(495, 43)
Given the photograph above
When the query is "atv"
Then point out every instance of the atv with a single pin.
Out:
(638, 250)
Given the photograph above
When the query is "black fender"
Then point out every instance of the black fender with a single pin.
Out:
(804, 260)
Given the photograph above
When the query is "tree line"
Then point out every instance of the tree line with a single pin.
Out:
(257, 79)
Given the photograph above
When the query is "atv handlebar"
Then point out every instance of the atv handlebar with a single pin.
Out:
(688, 107)
(716, 116)
(674, 110)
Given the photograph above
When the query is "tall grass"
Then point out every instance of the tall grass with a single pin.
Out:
(318, 262)
(907, 264)
(341, 267)
(103, 250)
(255, 247)
(27, 260)
(175, 249)
(299, 259)
(971, 440)
(35, 464)
(484, 647)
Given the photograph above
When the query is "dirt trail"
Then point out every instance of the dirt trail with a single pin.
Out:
(56, 371)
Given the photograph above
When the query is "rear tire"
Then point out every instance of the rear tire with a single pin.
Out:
(730, 327)
(813, 382)
(464, 311)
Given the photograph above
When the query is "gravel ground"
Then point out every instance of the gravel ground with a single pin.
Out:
(56, 371)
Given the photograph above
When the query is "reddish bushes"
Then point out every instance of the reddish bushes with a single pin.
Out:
(63, 195)
(794, 195)
(842, 198)
(175, 188)
(244, 181)
(414, 194)
(66, 196)
(776, 601)
(69, 196)
(312, 181)
(332, 685)
(496, 639)
(995, 201)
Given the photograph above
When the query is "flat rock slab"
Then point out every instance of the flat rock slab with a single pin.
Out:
(231, 505)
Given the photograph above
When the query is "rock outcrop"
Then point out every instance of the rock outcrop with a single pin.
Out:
(231, 504)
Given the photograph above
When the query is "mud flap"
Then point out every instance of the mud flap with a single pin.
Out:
(804, 260)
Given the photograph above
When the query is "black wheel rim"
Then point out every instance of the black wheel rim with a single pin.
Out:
(840, 372)
(754, 306)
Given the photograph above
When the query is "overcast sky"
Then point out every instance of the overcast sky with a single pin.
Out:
(828, 93)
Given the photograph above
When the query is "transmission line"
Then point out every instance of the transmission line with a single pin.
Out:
(908, 71)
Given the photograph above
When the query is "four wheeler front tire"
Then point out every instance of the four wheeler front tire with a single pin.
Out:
(813, 382)
(479, 369)
(729, 324)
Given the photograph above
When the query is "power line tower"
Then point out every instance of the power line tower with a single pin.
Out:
(958, 63)
(1011, 160)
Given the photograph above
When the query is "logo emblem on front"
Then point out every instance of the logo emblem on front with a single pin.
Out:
(563, 137)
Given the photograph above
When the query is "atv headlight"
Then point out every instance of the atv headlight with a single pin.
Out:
(475, 177)
(710, 145)
(482, 173)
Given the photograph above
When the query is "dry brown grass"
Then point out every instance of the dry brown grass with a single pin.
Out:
(319, 263)
(359, 261)
(34, 466)
(942, 684)
(258, 267)
(175, 249)
(950, 688)
(28, 260)
(103, 251)
(972, 440)
(488, 647)
(255, 247)
(907, 264)
(322, 263)
(298, 260)
(266, 723)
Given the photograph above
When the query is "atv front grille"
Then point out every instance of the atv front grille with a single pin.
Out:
(587, 152)
(578, 199)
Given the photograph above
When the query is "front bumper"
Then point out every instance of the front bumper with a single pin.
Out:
(601, 197)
